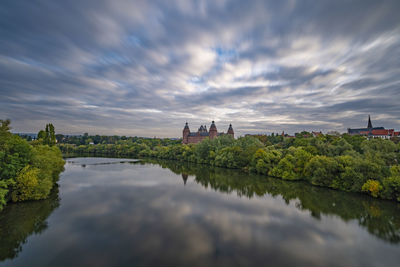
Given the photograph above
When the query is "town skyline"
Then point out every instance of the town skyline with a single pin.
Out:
(144, 68)
(193, 130)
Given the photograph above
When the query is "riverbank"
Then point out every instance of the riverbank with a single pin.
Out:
(347, 163)
(28, 170)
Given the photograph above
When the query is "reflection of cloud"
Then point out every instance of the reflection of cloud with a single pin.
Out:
(117, 222)
(144, 67)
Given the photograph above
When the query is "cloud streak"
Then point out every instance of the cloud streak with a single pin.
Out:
(146, 67)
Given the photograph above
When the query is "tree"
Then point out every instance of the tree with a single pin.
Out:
(4, 128)
(27, 170)
(391, 184)
(285, 168)
(26, 184)
(15, 153)
(372, 187)
(48, 136)
(265, 159)
(381, 151)
(291, 166)
(321, 170)
(41, 135)
(350, 177)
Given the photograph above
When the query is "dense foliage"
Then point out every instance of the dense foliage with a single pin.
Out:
(48, 135)
(87, 139)
(348, 163)
(28, 171)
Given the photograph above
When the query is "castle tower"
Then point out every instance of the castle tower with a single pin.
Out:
(369, 122)
(213, 131)
(230, 131)
(184, 177)
(186, 132)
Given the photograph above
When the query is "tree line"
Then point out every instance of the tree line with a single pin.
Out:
(343, 162)
(87, 139)
(28, 170)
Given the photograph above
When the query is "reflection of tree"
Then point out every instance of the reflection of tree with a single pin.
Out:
(20, 220)
(381, 218)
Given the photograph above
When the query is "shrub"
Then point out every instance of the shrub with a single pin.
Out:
(321, 170)
(391, 184)
(372, 187)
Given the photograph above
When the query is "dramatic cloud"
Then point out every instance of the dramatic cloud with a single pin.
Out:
(146, 67)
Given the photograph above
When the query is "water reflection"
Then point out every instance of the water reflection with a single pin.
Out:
(19, 221)
(380, 218)
(141, 214)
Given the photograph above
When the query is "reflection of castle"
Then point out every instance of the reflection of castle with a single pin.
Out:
(370, 131)
(184, 177)
(202, 133)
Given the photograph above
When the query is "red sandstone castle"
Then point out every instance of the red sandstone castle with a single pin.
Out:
(202, 133)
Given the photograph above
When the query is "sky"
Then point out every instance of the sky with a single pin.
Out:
(144, 68)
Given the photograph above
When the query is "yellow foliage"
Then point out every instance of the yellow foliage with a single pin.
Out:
(31, 184)
(373, 187)
(25, 184)
(374, 211)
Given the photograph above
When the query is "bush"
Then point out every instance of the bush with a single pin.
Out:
(4, 191)
(49, 162)
(264, 160)
(372, 187)
(285, 168)
(231, 157)
(321, 170)
(15, 153)
(27, 184)
(391, 184)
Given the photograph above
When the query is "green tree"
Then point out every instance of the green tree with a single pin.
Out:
(321, 170)
(15, 152)
(391, 184)
(285, 168)
(26, 172)
(47, 136)
(265, 159)
(291, 166)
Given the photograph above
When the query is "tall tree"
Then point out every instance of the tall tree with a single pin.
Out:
(48, 136)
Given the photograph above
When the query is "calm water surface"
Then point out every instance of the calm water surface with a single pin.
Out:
(112, 212)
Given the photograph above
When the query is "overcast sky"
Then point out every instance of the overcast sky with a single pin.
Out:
(146, 67)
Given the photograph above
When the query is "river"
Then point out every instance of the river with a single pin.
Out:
(119, 212)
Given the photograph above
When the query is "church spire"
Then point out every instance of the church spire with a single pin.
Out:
(369, 122)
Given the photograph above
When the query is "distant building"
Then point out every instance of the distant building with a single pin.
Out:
(316, 134)
(373, 132)
(202, 133)
(286, 135)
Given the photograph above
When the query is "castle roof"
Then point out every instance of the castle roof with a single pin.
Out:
(230, 129)
(213, 127)
(199, 133)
